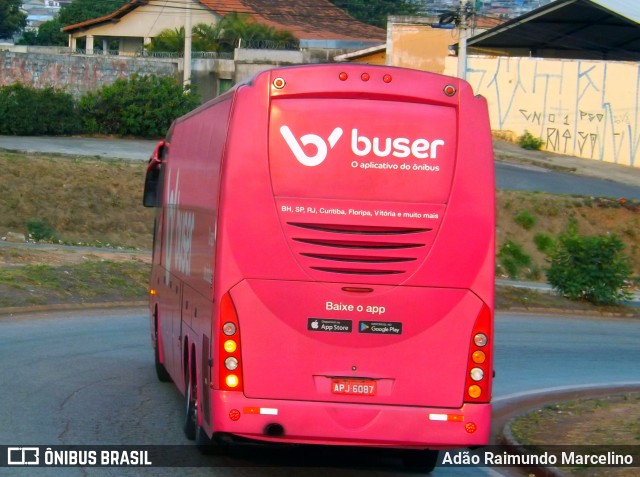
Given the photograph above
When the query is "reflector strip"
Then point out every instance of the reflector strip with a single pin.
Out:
(446, 417)
(261, 410)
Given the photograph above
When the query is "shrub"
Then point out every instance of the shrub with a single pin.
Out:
(40, 230)
(525, 219)
(544, 243)
(529, 141)
(143, 106)
(513, 258)
(592, 268)
(26, 111)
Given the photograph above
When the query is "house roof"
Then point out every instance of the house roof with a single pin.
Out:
(590, 29)
(306, 19)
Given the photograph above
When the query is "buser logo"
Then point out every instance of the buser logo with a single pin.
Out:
(361, 145)
(317, 141)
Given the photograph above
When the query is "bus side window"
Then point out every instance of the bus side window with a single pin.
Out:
(152, 196)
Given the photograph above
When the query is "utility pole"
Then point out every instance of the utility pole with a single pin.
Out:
(459, 20)
(187, 45)
(465, 15)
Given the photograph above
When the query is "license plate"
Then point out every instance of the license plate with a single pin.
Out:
(354, 387)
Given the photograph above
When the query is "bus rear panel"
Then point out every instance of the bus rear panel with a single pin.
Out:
(324, 259)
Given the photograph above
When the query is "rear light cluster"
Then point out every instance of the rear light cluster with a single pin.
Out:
(387, 78)
(229, 354)
(479, 369)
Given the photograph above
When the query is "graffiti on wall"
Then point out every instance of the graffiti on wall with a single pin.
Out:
(582, 108)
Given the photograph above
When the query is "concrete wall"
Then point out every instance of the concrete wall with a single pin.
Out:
(77, 74)
(582, 108)
(413, 43)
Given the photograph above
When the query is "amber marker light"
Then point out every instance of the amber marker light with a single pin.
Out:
(478, 357)
(279, 83)
(474, 391)
(153, 292)
(230, 346)
(232, 380)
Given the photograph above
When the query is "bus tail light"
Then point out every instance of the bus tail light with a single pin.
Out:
(479, 363)
(229, 352)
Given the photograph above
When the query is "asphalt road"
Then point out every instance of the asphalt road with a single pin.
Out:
(88, 378)
(508, 176)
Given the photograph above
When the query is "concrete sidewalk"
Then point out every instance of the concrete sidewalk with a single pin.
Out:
(509, 152)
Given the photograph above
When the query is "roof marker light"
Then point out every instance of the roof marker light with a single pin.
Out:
(387, 78)
(279, 83)
(365, 77)
(449, 90)
(343, 76)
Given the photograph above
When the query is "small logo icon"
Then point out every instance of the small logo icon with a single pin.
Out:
(310, 139)
(23, 456)
(363, 326)
(315, 325)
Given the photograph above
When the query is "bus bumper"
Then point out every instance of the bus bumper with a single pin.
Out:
(308, 422)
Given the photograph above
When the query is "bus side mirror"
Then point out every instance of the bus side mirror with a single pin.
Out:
(152, 196)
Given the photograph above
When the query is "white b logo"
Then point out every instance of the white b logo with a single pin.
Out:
(314, 139)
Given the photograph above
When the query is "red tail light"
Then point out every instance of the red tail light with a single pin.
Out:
(479, 362)
(229, 349)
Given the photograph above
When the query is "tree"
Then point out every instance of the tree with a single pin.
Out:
(82, 10)
(49, 33)
(168, 40)
(12, 20)
(375, 12)
(224, 36)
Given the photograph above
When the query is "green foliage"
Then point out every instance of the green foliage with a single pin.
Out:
(592, 268)
(544, 243)
(530, 142)
(232, 30)
(81, 10)
(12, 20)
(48, 34)
(375, 12)
(168, 40)
(513, 259)
(27, 111)
(40, 230)
(525, 219)
(142, 106)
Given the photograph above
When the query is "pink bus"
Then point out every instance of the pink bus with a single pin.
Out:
(323, 265)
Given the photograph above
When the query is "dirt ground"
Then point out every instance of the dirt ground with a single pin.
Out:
(12, 256)
(609, 421)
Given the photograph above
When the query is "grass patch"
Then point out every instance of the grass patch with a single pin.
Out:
(74, 200)
(609, 421)
(88, 282)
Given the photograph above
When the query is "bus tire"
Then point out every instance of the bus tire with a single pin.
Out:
(205, 444)
(423, 461)
(161, 371)
(191, 407)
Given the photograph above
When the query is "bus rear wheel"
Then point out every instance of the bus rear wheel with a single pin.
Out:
(191, 407)
(161, 371)
(423, 461)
